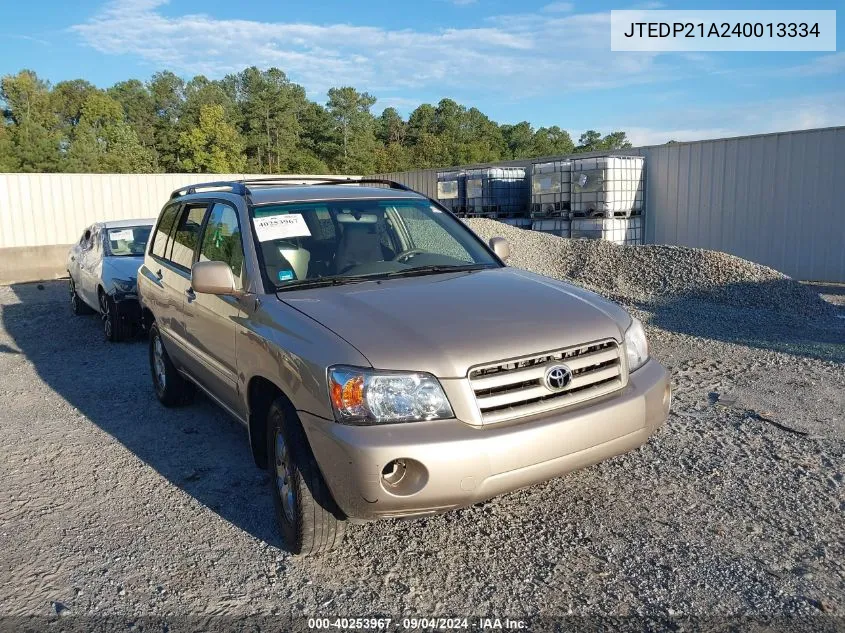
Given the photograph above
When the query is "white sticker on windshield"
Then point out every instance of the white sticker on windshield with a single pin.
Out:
(124, 234)
(278, 227)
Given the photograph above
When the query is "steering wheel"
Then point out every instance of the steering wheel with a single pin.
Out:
(408, 254)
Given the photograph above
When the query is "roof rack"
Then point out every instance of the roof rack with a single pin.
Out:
(240, 187)
(234, 186)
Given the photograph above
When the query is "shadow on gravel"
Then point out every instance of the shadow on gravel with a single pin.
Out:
(783, 316)
(198, 448)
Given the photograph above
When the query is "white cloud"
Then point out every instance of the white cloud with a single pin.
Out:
(831, 64)
(523, 54)
(798, 113)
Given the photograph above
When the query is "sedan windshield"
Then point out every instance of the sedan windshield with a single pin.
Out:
(127, 241)
(344, 241)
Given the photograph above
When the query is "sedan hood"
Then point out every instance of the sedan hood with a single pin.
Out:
(444, 324)
(125, 267)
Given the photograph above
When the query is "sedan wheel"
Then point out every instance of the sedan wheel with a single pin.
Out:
(77, 305)
(108, 316)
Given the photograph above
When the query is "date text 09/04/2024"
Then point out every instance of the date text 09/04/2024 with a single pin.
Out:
(417, 623)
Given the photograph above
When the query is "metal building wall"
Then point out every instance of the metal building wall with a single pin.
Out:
(776, 199)
(54, 209)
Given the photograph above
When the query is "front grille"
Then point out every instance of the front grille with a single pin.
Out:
(516, 388)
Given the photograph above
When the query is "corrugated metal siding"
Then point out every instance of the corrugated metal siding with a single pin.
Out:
(776, 199)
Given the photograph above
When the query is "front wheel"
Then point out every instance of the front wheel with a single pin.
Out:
(77, 305)
(115, 327)
(310, 520)
(171, 388)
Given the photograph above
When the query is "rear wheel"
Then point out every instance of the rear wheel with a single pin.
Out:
(310, 520)
(171, 388)
(115, 328)
(77, 305)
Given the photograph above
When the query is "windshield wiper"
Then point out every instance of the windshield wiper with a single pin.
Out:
(435, 269)
(321, 282)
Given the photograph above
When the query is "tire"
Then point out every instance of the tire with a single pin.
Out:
(115, 328)
(77, 305)
(171, 388)
(309, 518)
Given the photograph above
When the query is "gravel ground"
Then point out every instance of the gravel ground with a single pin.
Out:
(112, 505)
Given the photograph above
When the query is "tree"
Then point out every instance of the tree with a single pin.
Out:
(318, 141)
(421, 122)
(35, 135)
(615, 140)
(589, 141)
(255, 119)
(551, 141)
(391, 128)
(213, 145)
(168, 94)
(518, 140)
(139, 109)
(103, 142)
(8, 160)
(355, 126)
(271, 108)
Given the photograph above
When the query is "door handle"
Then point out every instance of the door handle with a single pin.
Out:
(159, 274)
(190, 294)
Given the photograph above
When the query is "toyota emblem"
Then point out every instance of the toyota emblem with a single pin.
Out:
(558, 377)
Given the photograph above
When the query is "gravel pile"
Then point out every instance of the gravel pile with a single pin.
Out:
(649, 272)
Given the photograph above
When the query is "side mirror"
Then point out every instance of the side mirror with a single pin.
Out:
(214, 278)
(501, 247)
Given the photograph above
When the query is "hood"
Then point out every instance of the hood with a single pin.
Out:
(125, 267)
(445, 324)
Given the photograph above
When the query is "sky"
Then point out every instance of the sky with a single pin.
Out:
(547, 62)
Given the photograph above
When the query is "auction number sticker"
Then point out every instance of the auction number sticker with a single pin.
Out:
(728, 30)
(279, 227)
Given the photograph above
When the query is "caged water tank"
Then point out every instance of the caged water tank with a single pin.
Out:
(607, 186)
(451, 190)
(550, 189)
(497, 192)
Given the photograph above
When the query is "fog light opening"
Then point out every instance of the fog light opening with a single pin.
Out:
(394, 472)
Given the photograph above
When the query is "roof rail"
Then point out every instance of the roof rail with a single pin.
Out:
(324, 180)
(235, 186)
(241, 187)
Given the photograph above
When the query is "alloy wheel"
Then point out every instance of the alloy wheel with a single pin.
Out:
(284, 476)
(105, 310)
(158, 363)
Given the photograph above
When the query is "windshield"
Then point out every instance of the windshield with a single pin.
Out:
(348, 240)
(127, 241)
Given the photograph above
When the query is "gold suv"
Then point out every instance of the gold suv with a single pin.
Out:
(383, 358)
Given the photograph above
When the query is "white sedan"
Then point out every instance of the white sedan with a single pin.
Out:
(103, 270)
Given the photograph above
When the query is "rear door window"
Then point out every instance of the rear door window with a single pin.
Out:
(221, 241)
(186, 237)
(163, 230)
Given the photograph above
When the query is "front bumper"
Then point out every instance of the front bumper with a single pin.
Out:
(128, 307)
(453, 464)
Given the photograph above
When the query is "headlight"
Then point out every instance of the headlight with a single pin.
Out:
(636, 345)
(363, 396)
(124, 285)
